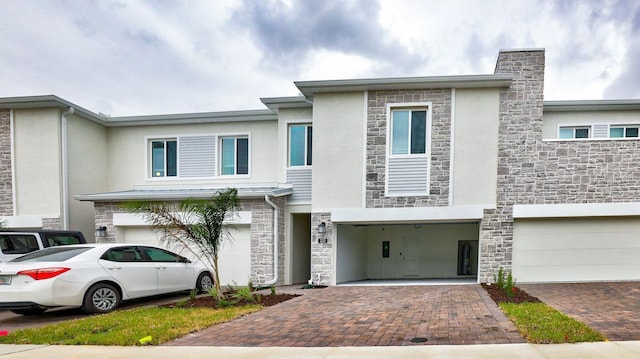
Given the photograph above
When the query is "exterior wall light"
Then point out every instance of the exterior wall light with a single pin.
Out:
(101, 232)
(322, 228)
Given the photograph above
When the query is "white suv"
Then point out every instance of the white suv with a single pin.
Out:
(14, 242)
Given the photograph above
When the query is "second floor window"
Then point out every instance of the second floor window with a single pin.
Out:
(408, 132)
(628, 131)
(300, 140)
(234, 154)
(574, 132)
(164, 159)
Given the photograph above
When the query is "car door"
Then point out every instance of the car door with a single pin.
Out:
(139, 278)
(175, 273)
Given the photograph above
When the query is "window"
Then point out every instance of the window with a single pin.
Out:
(164, 161)
(300, 140)
(123, 254)
(623, 131)
(235, 156)
(408, 132)
(18, 244)
(574, 132)
(160, 255)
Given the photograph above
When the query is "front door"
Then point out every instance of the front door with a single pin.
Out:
(410, 256)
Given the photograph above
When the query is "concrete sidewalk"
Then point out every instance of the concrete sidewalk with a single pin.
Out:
(630, 349)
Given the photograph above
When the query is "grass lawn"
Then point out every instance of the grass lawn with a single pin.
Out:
(127, 327)
(541, 324)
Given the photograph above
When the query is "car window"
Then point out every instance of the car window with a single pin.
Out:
(53, 240)
(123, 254)
(18, 243)
(54, 254)
(160, 255)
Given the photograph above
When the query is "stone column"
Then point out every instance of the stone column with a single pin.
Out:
(519, 142)
(322, 268)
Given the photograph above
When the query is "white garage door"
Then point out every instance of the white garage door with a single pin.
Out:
(565, 250)
(234, 258)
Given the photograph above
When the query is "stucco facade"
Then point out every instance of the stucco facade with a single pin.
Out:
(498, 178)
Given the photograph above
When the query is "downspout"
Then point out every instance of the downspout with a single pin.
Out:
(65, 165)
(275, 242)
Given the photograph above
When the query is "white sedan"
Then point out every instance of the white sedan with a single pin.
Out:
(95, 277)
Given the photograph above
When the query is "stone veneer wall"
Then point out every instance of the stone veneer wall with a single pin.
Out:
(6, 179)
(532, 171)
(262, 238)
(520, 134)
(261, 234)
(51, 223)
(322, 266)
(440, 144)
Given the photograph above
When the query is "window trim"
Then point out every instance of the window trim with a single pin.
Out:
(219, 139)
(409, 106)
(428, 141)
(307, 125)
(149, 158)
(592, 126)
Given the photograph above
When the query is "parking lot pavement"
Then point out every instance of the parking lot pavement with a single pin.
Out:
(10, 321)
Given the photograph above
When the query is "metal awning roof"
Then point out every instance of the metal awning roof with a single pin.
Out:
(179, 194)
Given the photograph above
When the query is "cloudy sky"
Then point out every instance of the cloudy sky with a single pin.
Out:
(172, 56)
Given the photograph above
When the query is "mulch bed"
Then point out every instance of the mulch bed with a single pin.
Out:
(499, 295)
(265, 300)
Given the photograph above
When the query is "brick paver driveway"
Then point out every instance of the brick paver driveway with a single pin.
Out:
(366, 316)
(612, 308)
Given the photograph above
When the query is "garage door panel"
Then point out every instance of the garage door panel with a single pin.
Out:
(569, 257)
(576, 249)
(576, 273)
(562, 241)
(234, 258)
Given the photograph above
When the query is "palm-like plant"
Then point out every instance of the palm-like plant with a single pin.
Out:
(194, 224)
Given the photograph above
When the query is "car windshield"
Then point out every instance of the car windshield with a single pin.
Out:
(53, 254)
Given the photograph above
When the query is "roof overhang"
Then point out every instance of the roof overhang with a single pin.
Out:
(193, 118)
(277, 103)
(180, 194)
(309, 88)
(49, 101)
(407, 215)
(591, 105)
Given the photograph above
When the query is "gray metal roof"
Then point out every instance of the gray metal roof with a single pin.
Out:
(179, 194)
(200, 117)
(591, 105)
(48, 101)
(308, 88)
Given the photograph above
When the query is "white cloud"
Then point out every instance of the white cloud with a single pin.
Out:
(146, 57)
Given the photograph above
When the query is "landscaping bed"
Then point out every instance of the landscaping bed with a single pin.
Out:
(208, 301)
(500, 295)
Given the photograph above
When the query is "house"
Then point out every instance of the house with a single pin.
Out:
(418, 177)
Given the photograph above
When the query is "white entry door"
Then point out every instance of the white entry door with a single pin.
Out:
(410, 256)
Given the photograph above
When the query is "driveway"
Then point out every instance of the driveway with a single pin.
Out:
(612, 308)
(369, 316)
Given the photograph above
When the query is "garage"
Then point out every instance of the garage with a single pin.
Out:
(406, 251)
(576, 249)
(234, 257)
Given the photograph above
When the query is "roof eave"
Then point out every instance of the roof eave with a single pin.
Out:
(591, 105)
(49, 101)
(309, 88)
(193, 118)
(277, 103)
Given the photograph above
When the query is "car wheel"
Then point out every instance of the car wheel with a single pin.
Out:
(30, 311)
(204, 283)
(101, 298)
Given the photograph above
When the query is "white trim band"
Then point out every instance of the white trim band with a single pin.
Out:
(576, 210)
(407, 215)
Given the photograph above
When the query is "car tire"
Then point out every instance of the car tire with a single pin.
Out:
(30, 311)
(204, 283)
(101, 298)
